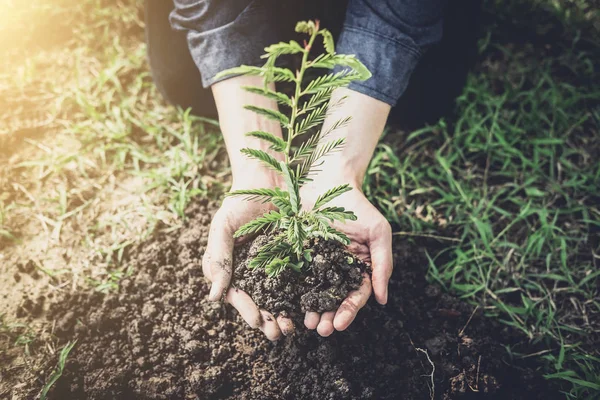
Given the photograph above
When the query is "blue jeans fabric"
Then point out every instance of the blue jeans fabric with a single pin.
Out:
(388, 36)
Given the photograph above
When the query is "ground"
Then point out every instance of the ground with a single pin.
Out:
(506, 183)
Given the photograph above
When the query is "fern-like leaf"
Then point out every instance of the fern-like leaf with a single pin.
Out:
(271, 114)
(263, 195)
(307, 27)
(336, 214)
(260, 155)
(276, 266)
(280, 98)
(292, 186)
(296, 236)
(329, 233)
(283, 203)
(327, 41)
(276, 248)
(330, 61)
(334, 79)
(316, 100)
(278, 49)
(309, 164)
(331, 194)
(316, 117)
(264, 223)
(277, 143)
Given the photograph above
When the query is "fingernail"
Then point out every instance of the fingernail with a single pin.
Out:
(385, 296)
(214, 293)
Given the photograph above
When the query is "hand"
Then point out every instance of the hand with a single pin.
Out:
(235, 121)
(371, 241)
(217, 265)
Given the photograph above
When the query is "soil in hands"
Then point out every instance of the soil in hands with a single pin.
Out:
(159, 338)
(322, 286)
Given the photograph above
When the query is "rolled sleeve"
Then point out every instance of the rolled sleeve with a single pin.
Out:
(223, 34)
(389, 37)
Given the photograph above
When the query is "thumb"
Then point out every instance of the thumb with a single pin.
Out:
(380, 248)
(220, 250)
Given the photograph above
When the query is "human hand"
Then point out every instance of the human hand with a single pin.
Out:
(217, 264)
(371, 241)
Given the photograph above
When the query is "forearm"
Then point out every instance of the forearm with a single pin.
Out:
(361, 135)
(236, 121)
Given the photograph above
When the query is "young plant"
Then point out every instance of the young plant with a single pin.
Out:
(289, 226)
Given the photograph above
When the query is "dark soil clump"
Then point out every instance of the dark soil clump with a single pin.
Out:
(322, 286)
(159, 338)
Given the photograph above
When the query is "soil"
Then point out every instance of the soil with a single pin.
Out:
(158, 337)
(322, 286)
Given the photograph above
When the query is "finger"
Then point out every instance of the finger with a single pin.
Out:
(246, 307)
(270, 327)
(325, 327)
(285, 325)
(206, 266)
(352, 304)
(220, 248)
(311, 319)
(381, 262)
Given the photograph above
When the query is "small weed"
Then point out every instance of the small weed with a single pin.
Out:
(57, 373)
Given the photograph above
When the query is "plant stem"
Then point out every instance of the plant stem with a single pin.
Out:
(297, 94)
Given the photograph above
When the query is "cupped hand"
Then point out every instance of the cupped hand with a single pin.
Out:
(217, 265)
(371, 241)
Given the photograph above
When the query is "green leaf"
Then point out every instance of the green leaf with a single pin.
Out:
(327, 41)
(309, 163)
(283, 204)
(316, 117)
(337, 214)
(274, 74)
(268, 220)
(296, 266)
(260, 155)
(288, 177)
(276, 248)
(258, 194)
(271, 114)
(329, 233)
(309, 146)
(277, 143)
(57, 373)
(307, 255)
(280, 98)
(282, 75)
(358, 70)
(333, 80)
(331, 194)
(534, 192)
(296, 236)
(276, 266)
(316, 100)
(305, 27)
(278, 49)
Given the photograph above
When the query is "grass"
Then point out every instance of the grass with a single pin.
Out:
(512, 179)
(92, 158)
(60, 367)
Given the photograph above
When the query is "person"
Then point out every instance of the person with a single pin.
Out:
(190, 41)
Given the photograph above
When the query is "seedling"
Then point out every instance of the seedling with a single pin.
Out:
(289, 226)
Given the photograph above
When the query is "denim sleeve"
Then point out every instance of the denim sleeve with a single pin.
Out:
(222, 34)
(389, 36)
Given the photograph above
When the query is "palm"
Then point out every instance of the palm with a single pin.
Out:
(370, 240)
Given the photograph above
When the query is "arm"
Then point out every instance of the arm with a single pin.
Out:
(217, 265)
(389, 38)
